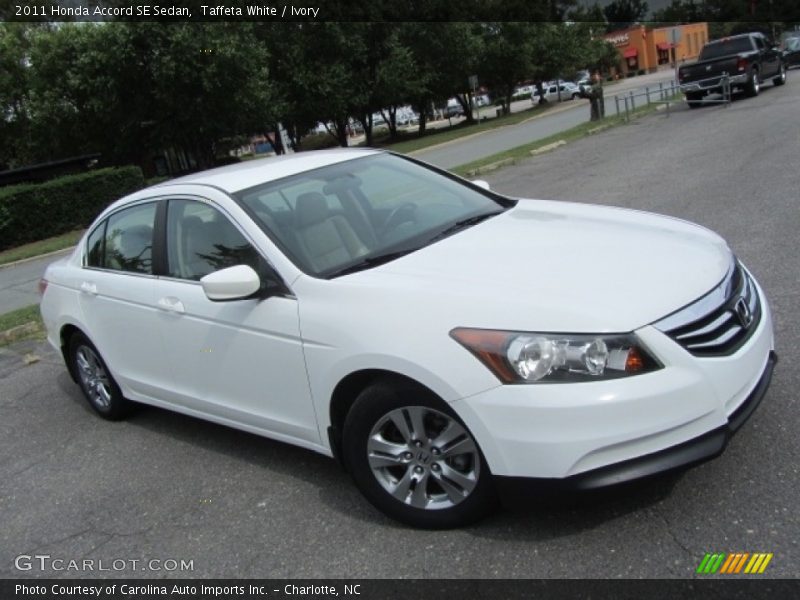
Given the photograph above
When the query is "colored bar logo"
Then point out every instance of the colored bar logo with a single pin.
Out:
(734, 564)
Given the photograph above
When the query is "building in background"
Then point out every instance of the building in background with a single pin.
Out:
(644, 49)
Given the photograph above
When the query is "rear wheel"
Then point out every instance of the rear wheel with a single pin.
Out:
(95, 380)
(753, 84)
(694, 100)
(413, 458)
(781, 78)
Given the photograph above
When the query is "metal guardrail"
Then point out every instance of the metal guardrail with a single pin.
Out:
(724, 83)
(664, 94)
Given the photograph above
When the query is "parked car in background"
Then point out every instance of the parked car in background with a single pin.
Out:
(791, 52)
(557, 92)
(445, 342)
(454, 108)
(406, 115)
(747, 59)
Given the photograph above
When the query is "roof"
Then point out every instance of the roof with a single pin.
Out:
(243, 175)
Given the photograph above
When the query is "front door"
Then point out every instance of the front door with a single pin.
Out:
(240, 360)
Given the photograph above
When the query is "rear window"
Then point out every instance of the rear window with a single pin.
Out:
(726, 48)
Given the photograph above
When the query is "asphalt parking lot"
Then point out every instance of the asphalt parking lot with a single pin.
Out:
(163, 487)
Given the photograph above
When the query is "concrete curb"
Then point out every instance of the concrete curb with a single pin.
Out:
(22, 261)
(13, 334)
(547, 147)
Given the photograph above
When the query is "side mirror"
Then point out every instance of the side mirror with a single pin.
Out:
(233, 283)
(481, 183)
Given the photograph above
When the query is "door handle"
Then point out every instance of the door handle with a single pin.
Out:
(171, 304)
(87, 287)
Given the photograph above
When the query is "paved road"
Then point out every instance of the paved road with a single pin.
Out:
(162, 486)
(569, 115)
(19, 283)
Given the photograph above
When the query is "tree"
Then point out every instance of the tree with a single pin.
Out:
(507, 57)
(14, 84)
(623, 13)
(444, 55)
(560, 49)
(186, 86)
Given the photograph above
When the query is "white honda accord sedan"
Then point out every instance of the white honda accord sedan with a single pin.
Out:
(447, 344)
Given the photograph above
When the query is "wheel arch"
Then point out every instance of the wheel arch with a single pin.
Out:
(347, 391)
(65, 334)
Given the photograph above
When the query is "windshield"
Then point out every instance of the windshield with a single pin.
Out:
(726, 48)
(359, 213)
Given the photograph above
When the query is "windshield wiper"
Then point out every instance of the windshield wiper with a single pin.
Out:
(372, 261)
(463, 224)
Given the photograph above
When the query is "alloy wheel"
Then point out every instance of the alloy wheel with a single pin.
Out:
(423, 458)
(93, 376)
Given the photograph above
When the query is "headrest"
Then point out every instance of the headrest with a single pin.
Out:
(312, 208)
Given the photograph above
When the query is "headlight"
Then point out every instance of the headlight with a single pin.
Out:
(522, 357)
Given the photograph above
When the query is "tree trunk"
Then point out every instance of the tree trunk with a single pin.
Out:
(341, 131)
(366, 122)
(465, 100)
(277, 144)
(391, 120)
(540, 89)
(421, 109)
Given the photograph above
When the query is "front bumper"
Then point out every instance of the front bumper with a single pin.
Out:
(616, 430)
(691, 452)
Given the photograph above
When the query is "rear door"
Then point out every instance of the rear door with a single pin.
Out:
(116, 298)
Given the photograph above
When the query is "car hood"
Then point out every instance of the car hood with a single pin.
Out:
(554, 266)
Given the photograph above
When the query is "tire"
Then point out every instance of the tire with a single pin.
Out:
(95, 380)
(435, 479)
(753, 84)
(694, 100)
(781, 78)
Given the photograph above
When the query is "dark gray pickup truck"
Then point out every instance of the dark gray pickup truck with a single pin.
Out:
(747, 59)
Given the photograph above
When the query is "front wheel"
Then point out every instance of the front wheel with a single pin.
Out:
(414, 459)
(781, 78)
(95, 380)
(753, 84)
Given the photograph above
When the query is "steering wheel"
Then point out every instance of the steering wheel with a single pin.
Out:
(401, 214)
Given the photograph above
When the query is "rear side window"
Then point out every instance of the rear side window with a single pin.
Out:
(726, 48)
(95, 246)
(129, 240)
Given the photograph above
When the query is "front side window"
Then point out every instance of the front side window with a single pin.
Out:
(128, 241)
(201, 240)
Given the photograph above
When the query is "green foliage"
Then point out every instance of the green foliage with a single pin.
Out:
(623, 13)
(31, 212)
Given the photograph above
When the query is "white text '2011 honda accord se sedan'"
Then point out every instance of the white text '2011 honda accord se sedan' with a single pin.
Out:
(449, 345)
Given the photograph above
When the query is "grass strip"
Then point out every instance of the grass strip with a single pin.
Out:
(59, 242)
(21, 324)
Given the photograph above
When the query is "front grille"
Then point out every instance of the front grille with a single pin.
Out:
(720, 322)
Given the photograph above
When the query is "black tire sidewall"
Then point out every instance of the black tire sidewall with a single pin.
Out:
(371, 405)
(752, 88)
(118, 406)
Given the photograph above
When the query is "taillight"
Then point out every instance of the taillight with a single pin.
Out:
(741, 64)
(42, 286)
